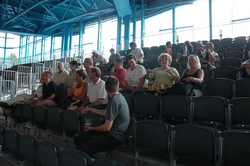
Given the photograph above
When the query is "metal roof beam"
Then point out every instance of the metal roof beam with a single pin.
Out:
(67, 9)
(4, 8)
(80, 3)
(108, 2)
(19, 7)
(51, 13)
(93, 3)
(78, 17)
(25, 11)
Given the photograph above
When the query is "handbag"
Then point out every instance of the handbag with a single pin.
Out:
(181, 88)
(159, 87)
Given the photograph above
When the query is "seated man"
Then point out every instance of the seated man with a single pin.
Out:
(96, 95)
(114, 131)
(49, 91)
(112, 58)
(98, 59)
(60, 77)
(88, 64)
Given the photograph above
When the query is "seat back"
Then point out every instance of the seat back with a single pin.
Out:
(194, 144)
(106, 162)
(40, 114)
(131, 133)
(236, 54)
(47, 153)
(16, 111)
(229, 72)
(130, 101)
(236, 147)
(152, 134)
(54, 116)
(204, 112)
(222, 87)
(27, 148)
(242, 87)
(175, 109)
(230, 61)
(146, 106)
(207, 73)
(2, 128)
(27, 112)
(11, 141)
(70, 156)
(71, 121)
(240, 113)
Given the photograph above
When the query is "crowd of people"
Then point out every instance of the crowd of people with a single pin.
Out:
(87, 91)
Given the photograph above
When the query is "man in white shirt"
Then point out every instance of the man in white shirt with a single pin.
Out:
(137, 52)
(97, 96)
(60, 77)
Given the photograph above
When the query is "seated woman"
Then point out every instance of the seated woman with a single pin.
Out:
(246, 66)
(135, 82)
(168, 48)
(191, 79)
(193, 74)
(209, 57)
(165, 74)
(78, 92)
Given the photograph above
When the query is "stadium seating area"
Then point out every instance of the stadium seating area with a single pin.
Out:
(169, 130)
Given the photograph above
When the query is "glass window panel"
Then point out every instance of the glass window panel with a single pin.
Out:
(221, 16)
(2, 39)
(240, 9)
(240, 29)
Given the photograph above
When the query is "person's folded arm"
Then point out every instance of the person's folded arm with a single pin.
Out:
(105, 127)
(141, 83)
(97, 102)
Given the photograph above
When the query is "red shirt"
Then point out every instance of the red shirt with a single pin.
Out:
(120, 74)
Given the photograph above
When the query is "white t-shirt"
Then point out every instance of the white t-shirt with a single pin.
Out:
(137, 52)
(60, 78)
(97, 91)
(133, 76)
(39, 91)
(99, 58)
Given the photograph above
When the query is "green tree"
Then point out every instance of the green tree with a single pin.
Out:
(12, 59)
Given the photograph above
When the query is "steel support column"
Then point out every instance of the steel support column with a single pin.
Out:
(126, 20)
(142, 23)
(174, 21)
(210, 20)
(119, 34)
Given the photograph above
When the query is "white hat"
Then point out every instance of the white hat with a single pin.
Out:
(95, 52)
(199, 42)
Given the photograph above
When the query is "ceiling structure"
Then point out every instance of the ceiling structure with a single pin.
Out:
(47, 17)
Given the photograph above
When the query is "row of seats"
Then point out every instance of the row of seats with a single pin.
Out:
(53, 119)
(227, 88)
(24, 149)
(149, 142)
(159, 143)
(214, 111)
